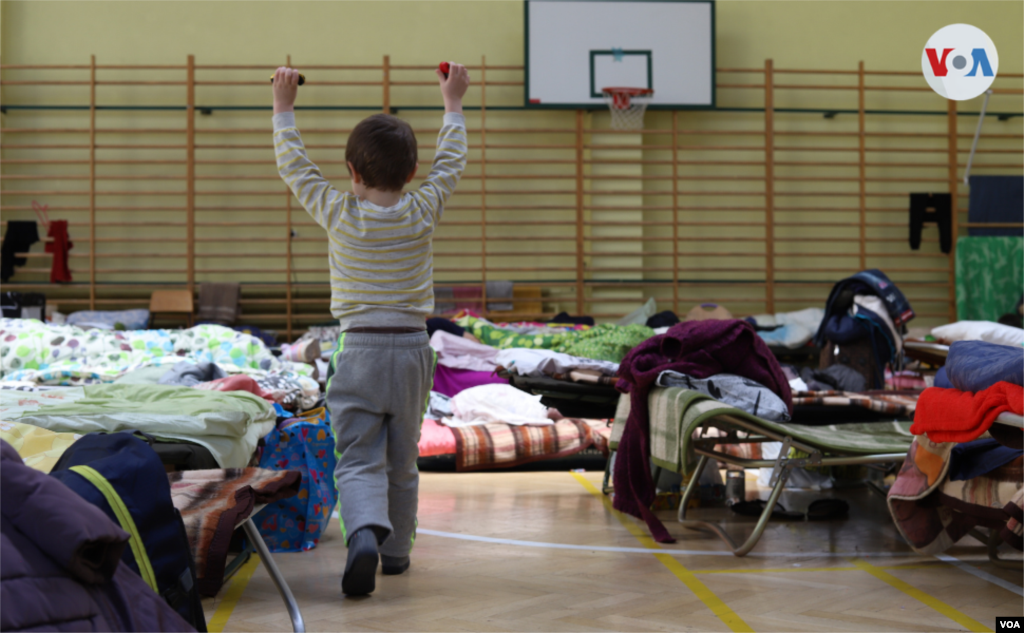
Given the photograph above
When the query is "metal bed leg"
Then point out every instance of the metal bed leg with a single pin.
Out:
(238, 561)
(762, 522)
(690, 487)
(994, 541)
(608, 466)
(275, 574)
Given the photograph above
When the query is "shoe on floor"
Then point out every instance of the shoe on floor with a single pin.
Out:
(827, 509)
(393, 565)
(361, 568)
(756, 508)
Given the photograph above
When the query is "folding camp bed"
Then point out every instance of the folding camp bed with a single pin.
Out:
(927, 352)
(680, 420)
(213, 504)
(572, 399)
(815, 452)
(992, 540)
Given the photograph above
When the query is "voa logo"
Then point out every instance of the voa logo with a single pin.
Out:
(959, 62)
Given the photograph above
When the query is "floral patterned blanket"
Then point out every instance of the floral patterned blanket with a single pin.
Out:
(32, 351)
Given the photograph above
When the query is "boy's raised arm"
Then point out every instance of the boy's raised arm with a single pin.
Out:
(452, 144)
(318, 197)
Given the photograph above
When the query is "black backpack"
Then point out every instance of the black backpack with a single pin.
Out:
(123, 476)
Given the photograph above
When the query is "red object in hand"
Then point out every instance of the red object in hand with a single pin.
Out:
(444, 66)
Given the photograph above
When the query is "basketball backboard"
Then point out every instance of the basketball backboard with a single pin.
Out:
(574, 48)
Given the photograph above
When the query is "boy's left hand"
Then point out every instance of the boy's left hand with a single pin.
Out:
(454, 86)
(286, 88)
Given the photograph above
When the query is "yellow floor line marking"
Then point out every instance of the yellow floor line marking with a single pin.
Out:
(231, 596)
(719, 608)
(963, 620)
(792, 569)
(770, 571)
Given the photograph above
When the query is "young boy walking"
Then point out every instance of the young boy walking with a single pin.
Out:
(381, 265)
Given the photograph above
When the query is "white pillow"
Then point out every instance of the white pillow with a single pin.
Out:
(988, 331)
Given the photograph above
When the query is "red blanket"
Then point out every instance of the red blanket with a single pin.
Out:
(951, 415)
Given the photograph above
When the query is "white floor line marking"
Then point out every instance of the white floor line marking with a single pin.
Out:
(984, 575)
(666, 550)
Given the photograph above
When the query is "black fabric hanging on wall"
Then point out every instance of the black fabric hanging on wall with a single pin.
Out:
(20, 236)
(926, 208)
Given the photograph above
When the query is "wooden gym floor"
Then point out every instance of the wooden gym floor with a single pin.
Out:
(466, 576)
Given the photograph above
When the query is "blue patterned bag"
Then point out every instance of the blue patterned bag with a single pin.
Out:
(305, 444)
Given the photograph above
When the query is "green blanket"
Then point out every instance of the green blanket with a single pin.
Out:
(601, 342)
(676, 413)
(989, 276)
(228, 423)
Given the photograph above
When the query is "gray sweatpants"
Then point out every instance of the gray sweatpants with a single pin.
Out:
(376, 398)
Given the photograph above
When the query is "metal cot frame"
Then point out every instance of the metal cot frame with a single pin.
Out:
(783, 466)
(257, 545)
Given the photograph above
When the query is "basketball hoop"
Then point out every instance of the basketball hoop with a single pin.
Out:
(627, 106)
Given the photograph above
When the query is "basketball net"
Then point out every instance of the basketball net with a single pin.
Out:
(627, 106)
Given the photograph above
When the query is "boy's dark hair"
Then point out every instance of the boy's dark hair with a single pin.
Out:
(382, 149)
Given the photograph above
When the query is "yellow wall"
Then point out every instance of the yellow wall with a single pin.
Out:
(800, 34)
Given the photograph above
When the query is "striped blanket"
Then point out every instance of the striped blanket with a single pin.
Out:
(933, 513)
(895, 403)
(506, 445)
(214, 502)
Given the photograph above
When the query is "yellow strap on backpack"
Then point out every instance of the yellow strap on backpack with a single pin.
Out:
(124, 518)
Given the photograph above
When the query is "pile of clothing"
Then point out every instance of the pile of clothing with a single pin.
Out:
(729, 352)
(865, 317)
(965, 467)
(294, 392)
(979, 382)
(470, 349)
(463, 364)
(61, 562)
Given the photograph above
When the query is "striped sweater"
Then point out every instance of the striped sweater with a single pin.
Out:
(381, 259)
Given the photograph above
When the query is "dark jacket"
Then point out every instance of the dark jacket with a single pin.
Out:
(866, 282)
(60, 562)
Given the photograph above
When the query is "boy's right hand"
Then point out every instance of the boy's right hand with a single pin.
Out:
(454, 87)
(286, 88)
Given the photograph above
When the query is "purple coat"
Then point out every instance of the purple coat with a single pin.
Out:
(700, 349)
(60, 562)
